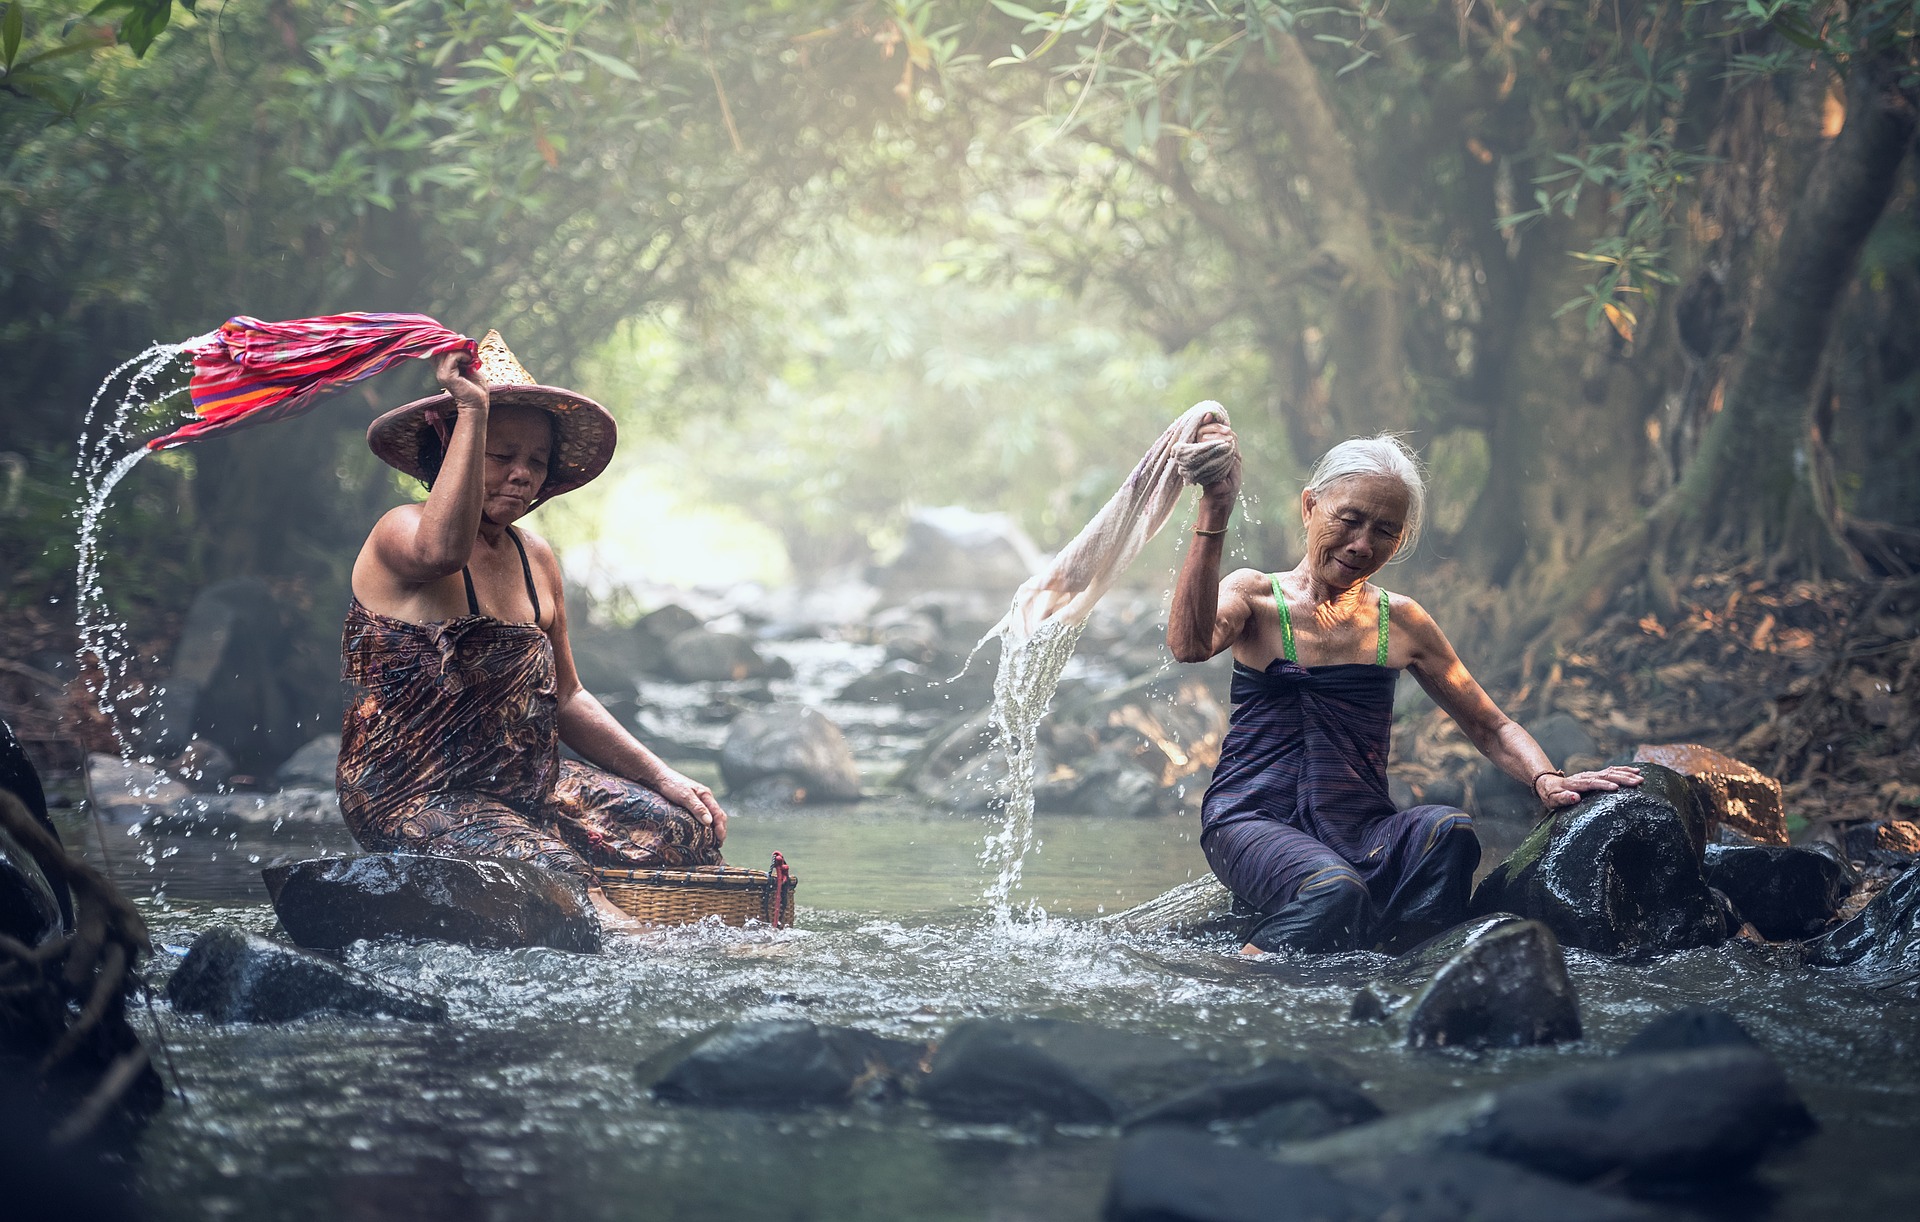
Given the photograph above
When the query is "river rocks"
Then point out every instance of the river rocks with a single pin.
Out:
(1689, 1028)
(1290, 1099)
(1201, 906)
(1881, 946)
(1784, 893)
(313, 765)
(952, 548)
(1617, 873)
(780, 1064)
(1500, 982)
(1172, 1176)
(332, 902)
(30, 911)
(700, 656)
(1046, 1069)
(1736, 796)
(1888, 842)
(789, 752)
(233, 976)
(20, 778)
(1653, 1120)
(122, 792)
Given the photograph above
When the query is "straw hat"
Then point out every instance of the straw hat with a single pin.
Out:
(583, 431)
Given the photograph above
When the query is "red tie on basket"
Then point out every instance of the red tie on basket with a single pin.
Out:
(782, 880)
(251, 372)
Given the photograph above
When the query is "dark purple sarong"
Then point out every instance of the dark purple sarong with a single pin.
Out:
(1299, 826)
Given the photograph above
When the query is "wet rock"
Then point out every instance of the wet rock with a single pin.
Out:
(236, 679)
(1260, 1094)
(1168, 726)
(314, 765)
(332, 902)
(888, 684)
(794, 749)
(30, 911)
(20, 778)
(1659, 1119)
(1505, 987)
(699, 656)
(1112, 783)
(1617, 873)
(909, 635)
(122, 792)
(1499, 796)
(230, 976)
(205, 766)
(953, 548)
(1198, 907)
(1073, 1073)
(948, 689)
(1174, 1176)
(1736, 795)
(1687, 1029)
(1880, 947)
(1890, 842)
(1785, 893)
(780, 1064)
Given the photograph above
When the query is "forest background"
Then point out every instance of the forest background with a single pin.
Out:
(1638, 277)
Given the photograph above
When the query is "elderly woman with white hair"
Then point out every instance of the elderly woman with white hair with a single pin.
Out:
(1298, 823)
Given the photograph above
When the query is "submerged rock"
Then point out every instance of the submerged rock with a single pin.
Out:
(1687, 1029)
(1201, 906)
(1505, 986)
(780, 1064)
(233, 976)
(1659, 1119)
(332, 902)
(1171, 1176)
(1259, 1094)
(791, 750)
(1074, 1073)
(1617, 873)
(1734, 795)
(1881, 946)
(1785, 893)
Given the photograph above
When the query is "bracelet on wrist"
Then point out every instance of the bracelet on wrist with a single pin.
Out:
(1535, 784)
(1211, 534)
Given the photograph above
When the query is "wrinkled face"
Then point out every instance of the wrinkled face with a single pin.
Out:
(519, 443)
(1354, 527)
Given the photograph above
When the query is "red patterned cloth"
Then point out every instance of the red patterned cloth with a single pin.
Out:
(251, 372)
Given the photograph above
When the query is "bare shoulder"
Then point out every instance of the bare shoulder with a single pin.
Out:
(1422, 630)
(1245, 582)
(538, 549)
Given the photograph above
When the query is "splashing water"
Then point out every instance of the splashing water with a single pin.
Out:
(1022, 690)
(104, 460)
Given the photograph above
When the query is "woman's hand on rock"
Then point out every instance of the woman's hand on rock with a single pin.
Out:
(1567, 790)
(450, 369)
(691, 795)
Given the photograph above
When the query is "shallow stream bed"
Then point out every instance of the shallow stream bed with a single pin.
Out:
(525, 1105)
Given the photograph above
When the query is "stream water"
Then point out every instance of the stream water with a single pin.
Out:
(525, 1105)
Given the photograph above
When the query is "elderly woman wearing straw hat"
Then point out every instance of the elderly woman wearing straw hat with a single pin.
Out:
(460, 684)
(1298, 822)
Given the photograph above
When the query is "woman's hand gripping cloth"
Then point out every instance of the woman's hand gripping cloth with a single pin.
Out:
(1086, 568)
(251, 372)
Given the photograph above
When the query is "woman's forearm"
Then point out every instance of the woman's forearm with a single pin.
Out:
(587, 727)
(1516, 753)
(450, 520)
(1196, 598)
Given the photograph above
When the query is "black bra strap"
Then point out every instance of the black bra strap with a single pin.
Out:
(526, 571)
(473, 603)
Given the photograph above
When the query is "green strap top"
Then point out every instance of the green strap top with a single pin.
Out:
(1286, 625)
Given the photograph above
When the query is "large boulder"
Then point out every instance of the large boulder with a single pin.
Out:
(1880, 947)
(791, 752)
(1047, 1069)
(235, 678)
(1736, 796)
(329, 903)
(953, 548)
(1201, 906)
(1617, 873)
(1163, 1175)
(1656, 1120)
(1784, 893)
(780, 1064)
(314, 765)
(700, 656)
(1496, 982)
(231, 976)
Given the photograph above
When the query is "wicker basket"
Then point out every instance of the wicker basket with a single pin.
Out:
(681, 897)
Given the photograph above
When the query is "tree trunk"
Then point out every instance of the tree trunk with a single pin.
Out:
(1749, 488)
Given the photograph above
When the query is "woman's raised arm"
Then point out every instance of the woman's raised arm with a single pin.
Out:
(425, 544)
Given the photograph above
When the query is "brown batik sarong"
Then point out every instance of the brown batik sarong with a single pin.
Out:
(451, 746)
